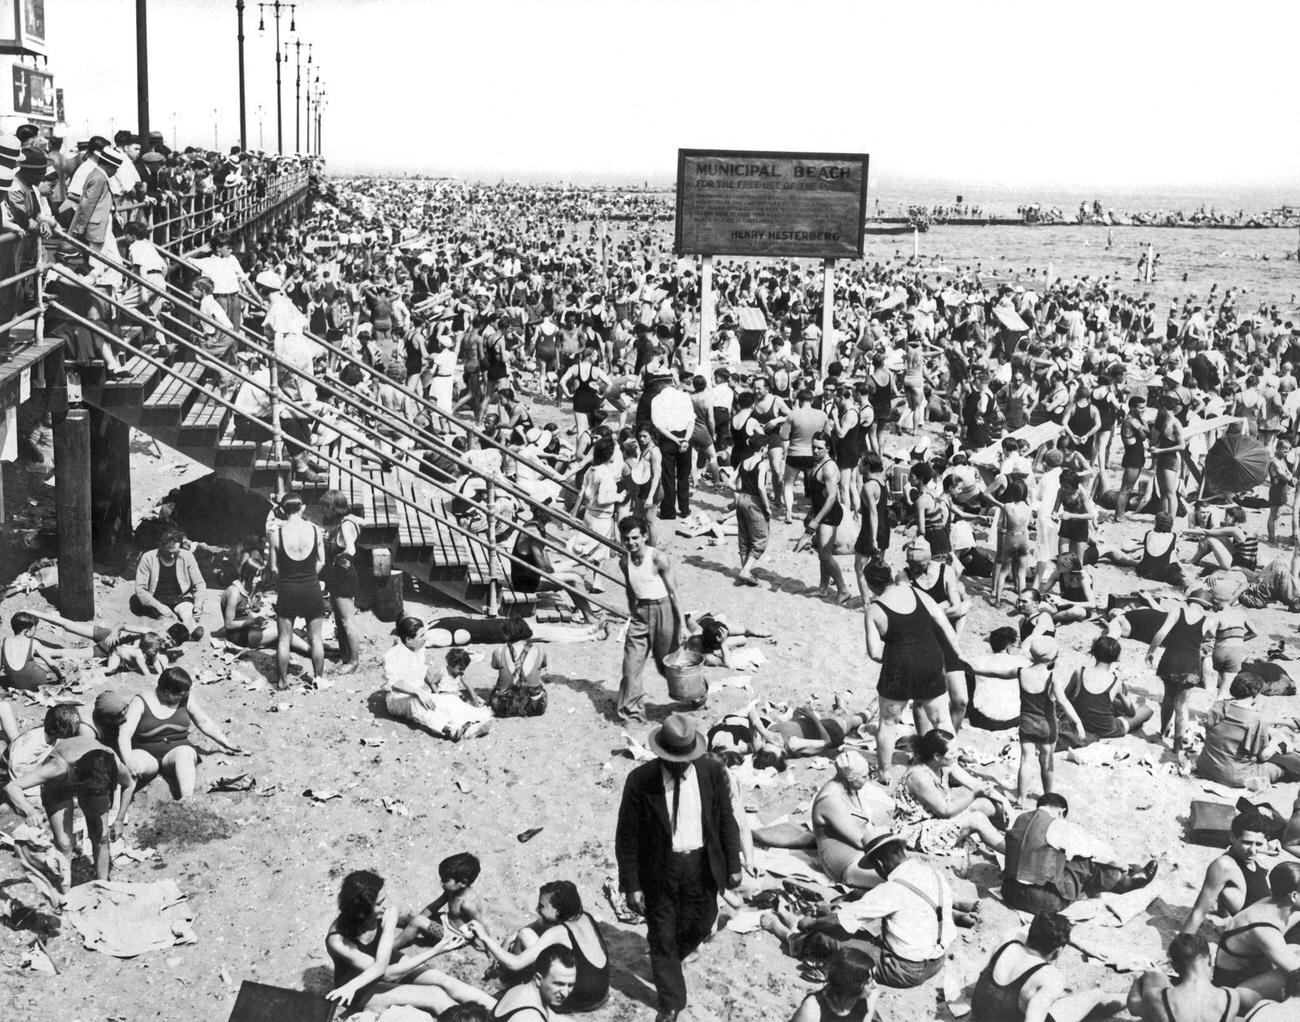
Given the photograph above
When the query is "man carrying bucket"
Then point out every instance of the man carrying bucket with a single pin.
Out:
(658, 622)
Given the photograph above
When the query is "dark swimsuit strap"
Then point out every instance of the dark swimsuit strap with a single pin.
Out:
(1229, 934)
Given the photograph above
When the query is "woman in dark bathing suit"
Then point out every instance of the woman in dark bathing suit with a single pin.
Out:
(361, 943)
(561, 920)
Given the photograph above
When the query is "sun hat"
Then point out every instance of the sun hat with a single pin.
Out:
(10, 151)
(875, 844)
(676, 740)
(270, 280)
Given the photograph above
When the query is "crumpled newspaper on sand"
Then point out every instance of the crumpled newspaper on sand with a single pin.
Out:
(125, 920)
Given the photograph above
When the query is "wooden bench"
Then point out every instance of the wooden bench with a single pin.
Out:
(483, 568)
(450, 549)
(166, 404)
(202, 424)
(232, 451)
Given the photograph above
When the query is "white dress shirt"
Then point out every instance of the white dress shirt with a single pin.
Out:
(224, 272)
(909, 921)
(688, 835)
(672, 412)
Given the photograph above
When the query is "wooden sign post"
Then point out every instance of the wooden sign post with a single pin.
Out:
(828, 315)
(706, 307)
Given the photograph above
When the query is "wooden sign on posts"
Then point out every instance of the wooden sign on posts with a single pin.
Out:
(779, 204)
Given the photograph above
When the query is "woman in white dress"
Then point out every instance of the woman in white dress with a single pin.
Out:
(415, 690)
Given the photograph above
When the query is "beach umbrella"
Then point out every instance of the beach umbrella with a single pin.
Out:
(1235, 463)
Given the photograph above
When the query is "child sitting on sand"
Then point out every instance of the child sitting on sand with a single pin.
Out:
(457, 905)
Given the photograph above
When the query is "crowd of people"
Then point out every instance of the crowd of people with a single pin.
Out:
(951, 440)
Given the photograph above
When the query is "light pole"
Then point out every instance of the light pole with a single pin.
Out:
(142, 70)
(320, 105)
(215, 147)
(276, 7)
(297, 95)
(261, 144)
(308, 105)
(243, 120)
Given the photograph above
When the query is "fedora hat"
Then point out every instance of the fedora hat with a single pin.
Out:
(877, 843)
(33, 159)
(676, 740)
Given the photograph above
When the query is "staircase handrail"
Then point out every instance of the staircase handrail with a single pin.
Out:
(431, 439)
(411, 467)
(432, 406)
(104, 332)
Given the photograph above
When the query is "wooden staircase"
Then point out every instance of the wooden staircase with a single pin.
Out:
(166, 406)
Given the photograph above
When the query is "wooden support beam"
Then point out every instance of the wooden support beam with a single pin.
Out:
(72, 509)
(110, 487)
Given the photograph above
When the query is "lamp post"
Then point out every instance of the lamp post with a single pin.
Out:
(320, 105)
(261, 110)
(313, 89)
(243, 119)
(142, 69)
(276, 8)
(297, 95)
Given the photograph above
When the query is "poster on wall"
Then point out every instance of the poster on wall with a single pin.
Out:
(22, 25)
(10, 25)
(33, 92)
(34, 24)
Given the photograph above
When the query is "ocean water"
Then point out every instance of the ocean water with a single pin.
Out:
(1253, 261)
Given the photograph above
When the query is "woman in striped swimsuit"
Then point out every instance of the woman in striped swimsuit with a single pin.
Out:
(155, 736)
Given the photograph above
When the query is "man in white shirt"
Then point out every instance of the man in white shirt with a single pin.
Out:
(228, 278)
(673, 418)
(915, 909)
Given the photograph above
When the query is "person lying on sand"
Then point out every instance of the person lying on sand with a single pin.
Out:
(124, 647)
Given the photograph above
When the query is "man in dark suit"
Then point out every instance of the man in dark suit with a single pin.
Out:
(677, 846)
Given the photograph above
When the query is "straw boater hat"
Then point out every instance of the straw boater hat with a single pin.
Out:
(676, 740)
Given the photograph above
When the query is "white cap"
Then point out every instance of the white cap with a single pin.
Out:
(270, 280)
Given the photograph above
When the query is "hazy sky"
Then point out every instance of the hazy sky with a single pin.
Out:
(1109, 95)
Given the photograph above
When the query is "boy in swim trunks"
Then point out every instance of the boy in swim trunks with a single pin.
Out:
(456, 906)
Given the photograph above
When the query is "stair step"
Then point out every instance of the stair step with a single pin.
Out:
(202, 425)
(233, 452)
(129, 389)
(166, 405)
